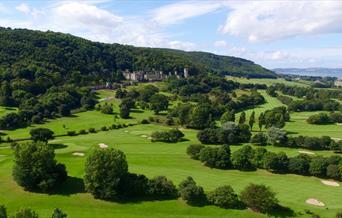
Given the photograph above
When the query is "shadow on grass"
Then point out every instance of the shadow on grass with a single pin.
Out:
(137, 111)
(282, 212)
(72, 185)
(291, 132)
(58, 146)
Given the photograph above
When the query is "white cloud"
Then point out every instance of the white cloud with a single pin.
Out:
(23, 8)
(87, 19)
(221, 44)
(177, 12)
(271, 20)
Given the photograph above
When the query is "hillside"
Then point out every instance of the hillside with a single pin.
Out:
(66, 58)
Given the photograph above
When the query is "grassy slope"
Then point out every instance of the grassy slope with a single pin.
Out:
(155, 159)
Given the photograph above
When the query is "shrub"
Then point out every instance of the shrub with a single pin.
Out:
(299, 164)
(58, 213)
(190, 192)
(259, 198)
(339, 215)
(124, 111)
(321, 118)
(259, 139)
(173, 135)
(25, 213)
(104, 128)
(277, 163)
(83, 132)
(104, 169)
(133, 185)
(194, 150)
(3, 212)
(162, 188)
(216, 157)
(91, 130)
(224, 197)
(35, 167)
(144, 121)
(242, 159)
(318, 167)
(71, 133)
(41, 134)
(333, 172)
(106, 109)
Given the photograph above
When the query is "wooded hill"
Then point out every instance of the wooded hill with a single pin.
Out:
(63, 58)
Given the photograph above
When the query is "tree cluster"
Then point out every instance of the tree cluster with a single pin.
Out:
(29, 213)
(247, 158)
(170, 136)
(229, 133)
(325, 118)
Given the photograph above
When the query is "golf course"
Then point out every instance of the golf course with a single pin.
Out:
(158, 158)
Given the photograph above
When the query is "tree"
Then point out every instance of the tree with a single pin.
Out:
(228, 116)
(35, 167)
(133, 185)
(106, 109)
(194, 150)
(224, 197)
(259, 139)
(299, 164)
(190, 192)
(201, 116)
(251, 120)
(242, 159)
(242, 118)
(276, 136)
(124, 111)
(259, 198)
(25, 213)
(318, 167)
(261, 122)
(58, 213)
(162, 188)
(171, 136)
(333, 171)
(159, 102)
(3, 212)
(277, 163)
(41, 134)
(104, 169)
(216, 157)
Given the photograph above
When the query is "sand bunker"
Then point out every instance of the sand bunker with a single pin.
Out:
(306, 152)
(80, 154)
(330, 183)
(126, 130)
(149, 137)
(315, 202)
(102, 145)
(144, 136)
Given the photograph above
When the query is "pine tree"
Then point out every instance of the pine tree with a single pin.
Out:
(261, 121)
(242, 119)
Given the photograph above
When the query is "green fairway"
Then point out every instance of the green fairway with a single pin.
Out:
(155, 159)
(269, 82)
(6, 110)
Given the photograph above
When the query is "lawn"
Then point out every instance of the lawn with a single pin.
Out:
(154, 159)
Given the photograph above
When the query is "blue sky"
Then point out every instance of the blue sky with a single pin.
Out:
(271, 33)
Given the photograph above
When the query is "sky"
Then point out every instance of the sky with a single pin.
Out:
(274, 34)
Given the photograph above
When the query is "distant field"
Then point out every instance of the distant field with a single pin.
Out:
(269, 82)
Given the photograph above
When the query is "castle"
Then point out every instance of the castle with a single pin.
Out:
(150, 76)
